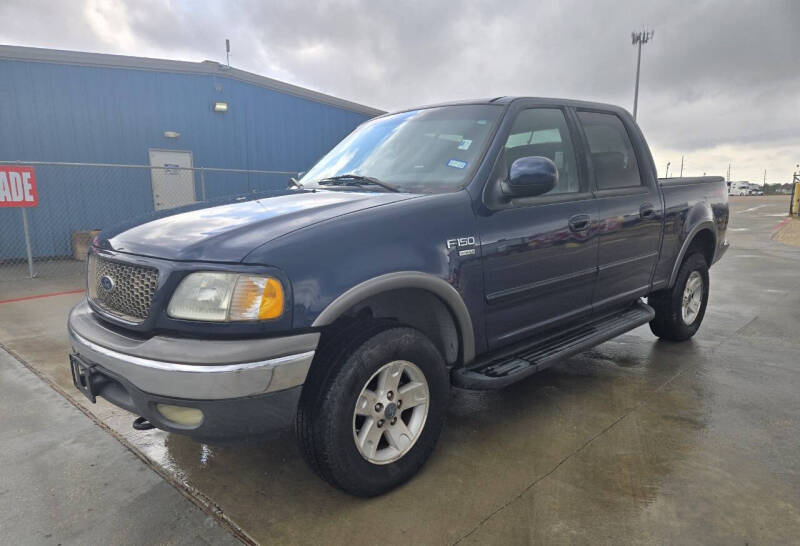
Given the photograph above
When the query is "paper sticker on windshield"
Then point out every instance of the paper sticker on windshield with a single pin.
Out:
(464, 144)
(458, 164)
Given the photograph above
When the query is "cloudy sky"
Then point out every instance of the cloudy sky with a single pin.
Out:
(720, 80)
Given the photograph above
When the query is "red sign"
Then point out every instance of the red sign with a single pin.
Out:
(18, 187)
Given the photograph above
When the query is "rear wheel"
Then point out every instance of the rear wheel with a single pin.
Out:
(680, 309)
(373, 407)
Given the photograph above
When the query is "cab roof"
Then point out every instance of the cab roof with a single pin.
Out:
(508, 100)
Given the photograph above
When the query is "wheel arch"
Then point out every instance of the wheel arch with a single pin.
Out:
(703, 236)
(419, 299)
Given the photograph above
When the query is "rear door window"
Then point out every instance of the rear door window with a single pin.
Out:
(612, 157)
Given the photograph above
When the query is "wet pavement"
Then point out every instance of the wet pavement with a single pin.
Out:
(64, 480)
(635, 441)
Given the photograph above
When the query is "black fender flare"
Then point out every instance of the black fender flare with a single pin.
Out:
(407, 279)
(704, 225)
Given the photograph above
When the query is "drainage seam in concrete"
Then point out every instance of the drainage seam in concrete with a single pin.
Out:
(194, 495)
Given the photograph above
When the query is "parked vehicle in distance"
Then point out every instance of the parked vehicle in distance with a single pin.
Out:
(740, 188)
(469, 244)
(755, 191)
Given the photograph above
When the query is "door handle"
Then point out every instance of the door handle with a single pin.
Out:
(647, 211)
(579, 222)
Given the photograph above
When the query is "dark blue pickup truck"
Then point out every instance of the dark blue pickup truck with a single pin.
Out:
(468, 244)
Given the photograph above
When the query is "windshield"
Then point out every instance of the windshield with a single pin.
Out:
(423, 151)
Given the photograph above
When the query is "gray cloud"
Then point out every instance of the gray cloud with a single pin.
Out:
(720, 80)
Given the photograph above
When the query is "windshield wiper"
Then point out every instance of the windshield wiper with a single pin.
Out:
(352, 179)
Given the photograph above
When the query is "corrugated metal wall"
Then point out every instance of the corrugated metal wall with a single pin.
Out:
(55, 112)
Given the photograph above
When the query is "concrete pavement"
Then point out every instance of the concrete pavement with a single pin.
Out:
(64, 480)
(636, 441)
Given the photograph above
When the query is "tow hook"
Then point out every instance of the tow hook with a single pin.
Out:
(140, 423)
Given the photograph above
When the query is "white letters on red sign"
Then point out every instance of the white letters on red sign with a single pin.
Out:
(18, 187)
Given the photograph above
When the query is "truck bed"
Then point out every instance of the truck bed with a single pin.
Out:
(689, 203)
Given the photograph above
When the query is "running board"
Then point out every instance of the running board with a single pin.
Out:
(526, 359)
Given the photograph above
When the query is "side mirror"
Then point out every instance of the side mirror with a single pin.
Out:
(530, 176)
(294, 181)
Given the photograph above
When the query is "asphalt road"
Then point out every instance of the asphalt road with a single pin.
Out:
(636, 441)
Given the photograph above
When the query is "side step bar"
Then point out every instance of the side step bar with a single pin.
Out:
(528, 358)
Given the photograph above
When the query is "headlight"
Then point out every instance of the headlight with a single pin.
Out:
(225, 297)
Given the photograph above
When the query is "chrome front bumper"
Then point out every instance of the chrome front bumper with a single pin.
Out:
(198, 369)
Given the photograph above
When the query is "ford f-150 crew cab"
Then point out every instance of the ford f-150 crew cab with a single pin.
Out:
(468, 244)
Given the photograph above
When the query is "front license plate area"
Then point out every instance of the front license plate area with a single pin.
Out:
(82, 376)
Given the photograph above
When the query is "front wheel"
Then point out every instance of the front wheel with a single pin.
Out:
(373, 407)
(680, 309)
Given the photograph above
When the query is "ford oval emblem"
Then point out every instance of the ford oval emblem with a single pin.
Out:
(107, 283)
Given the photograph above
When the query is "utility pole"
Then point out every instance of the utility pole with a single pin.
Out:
(666, 174)
(729, 172)
(637, 39)
(681, 166)
(765, 177)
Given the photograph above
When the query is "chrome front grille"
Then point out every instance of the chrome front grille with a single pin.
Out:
(122, 290)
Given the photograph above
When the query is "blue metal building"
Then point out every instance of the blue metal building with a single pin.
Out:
(64, 106)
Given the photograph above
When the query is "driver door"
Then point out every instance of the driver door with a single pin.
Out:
(539, 254)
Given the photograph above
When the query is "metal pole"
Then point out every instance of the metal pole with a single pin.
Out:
(636, 92)
(666, 175)
(681, 166)
(638, 39)
(203, 183)
(25, 228)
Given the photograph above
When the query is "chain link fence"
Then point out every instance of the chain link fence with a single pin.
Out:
(76, 200)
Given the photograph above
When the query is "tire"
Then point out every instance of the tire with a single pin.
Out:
(350, 365)
(671, 322)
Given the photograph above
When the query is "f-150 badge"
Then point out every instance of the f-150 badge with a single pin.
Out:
(462, 243)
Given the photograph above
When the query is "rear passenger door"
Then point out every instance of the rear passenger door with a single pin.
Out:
(629, 207)
(539, 253)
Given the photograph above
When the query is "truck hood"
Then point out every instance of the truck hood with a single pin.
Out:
(227, 232)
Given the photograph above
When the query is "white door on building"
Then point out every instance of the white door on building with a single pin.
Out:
(173, 185)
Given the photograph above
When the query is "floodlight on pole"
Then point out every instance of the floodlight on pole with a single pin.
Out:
(637, 39)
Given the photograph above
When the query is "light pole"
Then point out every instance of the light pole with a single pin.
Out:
(639, 38)
(681, 166)
(666, 174)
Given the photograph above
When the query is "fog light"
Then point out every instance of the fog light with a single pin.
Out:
(189, 417)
